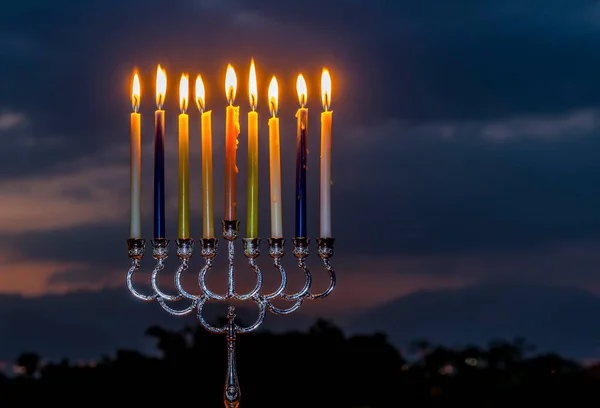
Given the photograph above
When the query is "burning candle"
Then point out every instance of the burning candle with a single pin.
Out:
(159, 154)
(232, 130)
(275, 161)
(184, 158)
(326, 118)
(135, 159)
(208, 229)
(252, 216)
(301, 153)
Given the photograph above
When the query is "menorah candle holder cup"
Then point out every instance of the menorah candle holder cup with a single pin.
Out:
(208, 252)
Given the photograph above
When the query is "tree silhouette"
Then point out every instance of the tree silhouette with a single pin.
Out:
(30, 362)
(320, 367)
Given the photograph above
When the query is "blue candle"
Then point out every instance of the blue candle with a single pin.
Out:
(159, 155)
(301, 153)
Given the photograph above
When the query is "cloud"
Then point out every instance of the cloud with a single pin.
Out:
(61, 201)
(26, 275)
(548, 128)
(569, 124)
(443, 187)
(10, 120)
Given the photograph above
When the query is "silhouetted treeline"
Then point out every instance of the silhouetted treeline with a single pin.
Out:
(319, 368)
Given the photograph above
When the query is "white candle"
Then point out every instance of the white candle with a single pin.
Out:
(326, 119)
(275, 162)
(135, 157)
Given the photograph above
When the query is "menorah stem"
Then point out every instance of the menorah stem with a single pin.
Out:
(232, 385)
(231, 229)
(231, 270)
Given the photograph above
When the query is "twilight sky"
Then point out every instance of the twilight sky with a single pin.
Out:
(466, 144)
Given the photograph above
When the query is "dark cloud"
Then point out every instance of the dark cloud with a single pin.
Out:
(551, 318)
(411, 63)
(69, 67)
(430, 195)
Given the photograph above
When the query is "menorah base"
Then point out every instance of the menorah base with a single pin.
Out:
(208, 251)
(232, 385)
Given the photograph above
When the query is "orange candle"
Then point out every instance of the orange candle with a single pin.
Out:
(232, 130)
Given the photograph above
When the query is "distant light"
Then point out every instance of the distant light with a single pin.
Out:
(471, 361)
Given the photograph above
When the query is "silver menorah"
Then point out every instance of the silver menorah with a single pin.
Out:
(208, 251)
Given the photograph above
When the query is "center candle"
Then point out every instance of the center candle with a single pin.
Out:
(301, 153)
(252, 199)
(232, 130)
(184, 176)
(159, 154)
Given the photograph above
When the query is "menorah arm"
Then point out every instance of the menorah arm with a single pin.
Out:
(185, 249)
(135, 249)
(251, 252)
(160, 252)
(325, 251)
(300, 251)
(276, 251)
(209, 247)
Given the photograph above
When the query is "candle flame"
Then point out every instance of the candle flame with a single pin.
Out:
(184, 93)
(161, 86)
(252, 86)
(200, 93)
(301, 89)
(135, 93)
(326, 89)
(230, 84)
(273, 97)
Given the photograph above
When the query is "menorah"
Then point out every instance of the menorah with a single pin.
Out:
(208, 251)
(208, 244)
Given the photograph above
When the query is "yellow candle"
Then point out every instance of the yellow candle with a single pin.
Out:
(184, 158)
(326, 119)
(252, 216)
(135, 161)
(232, 130)
(208, 229)
(275, 162)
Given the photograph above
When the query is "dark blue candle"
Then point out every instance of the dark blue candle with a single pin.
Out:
(301, 152)
(159, 155)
